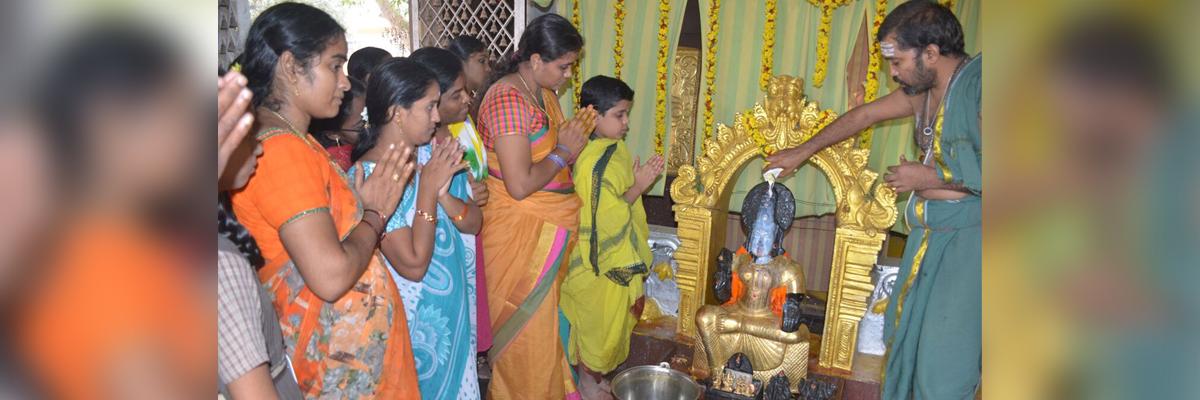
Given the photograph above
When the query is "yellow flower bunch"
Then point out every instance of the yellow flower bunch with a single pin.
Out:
(575, 79)
(874, 68)
(710, 68)
(764, 147)
(660, 93)
(768, 56)
(949, 4)
(619, 47)
(827, 7)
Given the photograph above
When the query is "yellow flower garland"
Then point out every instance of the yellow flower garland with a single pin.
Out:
(768, 55)
(576, 81)
(619, 46)
(827, 7)
(710, 69)
(660, 93)
(874, 68)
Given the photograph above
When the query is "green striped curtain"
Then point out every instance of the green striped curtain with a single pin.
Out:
(640, 59)
(739, 54)
(739, 50)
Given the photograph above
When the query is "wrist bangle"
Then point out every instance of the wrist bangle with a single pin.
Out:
(378, 233)
(570, 154)
(463, 215)
(557, 160)
(377, 213)
(425, 216)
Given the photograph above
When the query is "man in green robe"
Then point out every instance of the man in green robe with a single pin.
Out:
(933, 323)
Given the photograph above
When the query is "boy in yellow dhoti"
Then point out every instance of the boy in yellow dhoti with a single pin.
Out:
(612, 259)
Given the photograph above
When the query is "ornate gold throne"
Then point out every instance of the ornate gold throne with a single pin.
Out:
(865, 211)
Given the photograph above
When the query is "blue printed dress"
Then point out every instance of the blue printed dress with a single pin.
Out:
(441, 307)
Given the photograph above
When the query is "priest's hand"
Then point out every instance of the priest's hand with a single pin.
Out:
(788, 159)
(911, 175)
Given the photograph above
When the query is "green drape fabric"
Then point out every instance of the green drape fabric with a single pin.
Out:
(739, 53)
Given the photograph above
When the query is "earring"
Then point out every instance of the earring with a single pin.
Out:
(296, 91)
(337, 140)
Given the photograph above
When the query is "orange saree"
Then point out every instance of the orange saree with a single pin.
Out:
(357, 347)
(526, 245)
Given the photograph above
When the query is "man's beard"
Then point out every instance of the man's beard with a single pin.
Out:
(924, 80)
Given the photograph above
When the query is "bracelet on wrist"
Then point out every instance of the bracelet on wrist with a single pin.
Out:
(377, 214)
(570, 155)
(425, 216)
(557, 160)
(378, 232)
(463, 215)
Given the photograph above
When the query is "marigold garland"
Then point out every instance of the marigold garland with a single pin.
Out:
(619, 46)
(710, 68)
(768, 56)
(576, 81)
(827, 7)
(874, 68)
(660, 93)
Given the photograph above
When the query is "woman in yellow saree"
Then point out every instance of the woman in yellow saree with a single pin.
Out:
(530, 220)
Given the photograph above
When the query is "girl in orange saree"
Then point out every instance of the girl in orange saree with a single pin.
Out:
(531, 217)
(342, 318)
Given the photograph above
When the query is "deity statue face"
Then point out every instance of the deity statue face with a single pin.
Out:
(762, 235)
(767, 214)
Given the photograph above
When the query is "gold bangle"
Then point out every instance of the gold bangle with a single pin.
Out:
(426, 216)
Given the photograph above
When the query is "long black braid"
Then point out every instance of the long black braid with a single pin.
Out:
(228, 226)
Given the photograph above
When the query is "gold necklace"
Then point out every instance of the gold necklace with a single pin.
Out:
(285, 121)
(532, 96)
